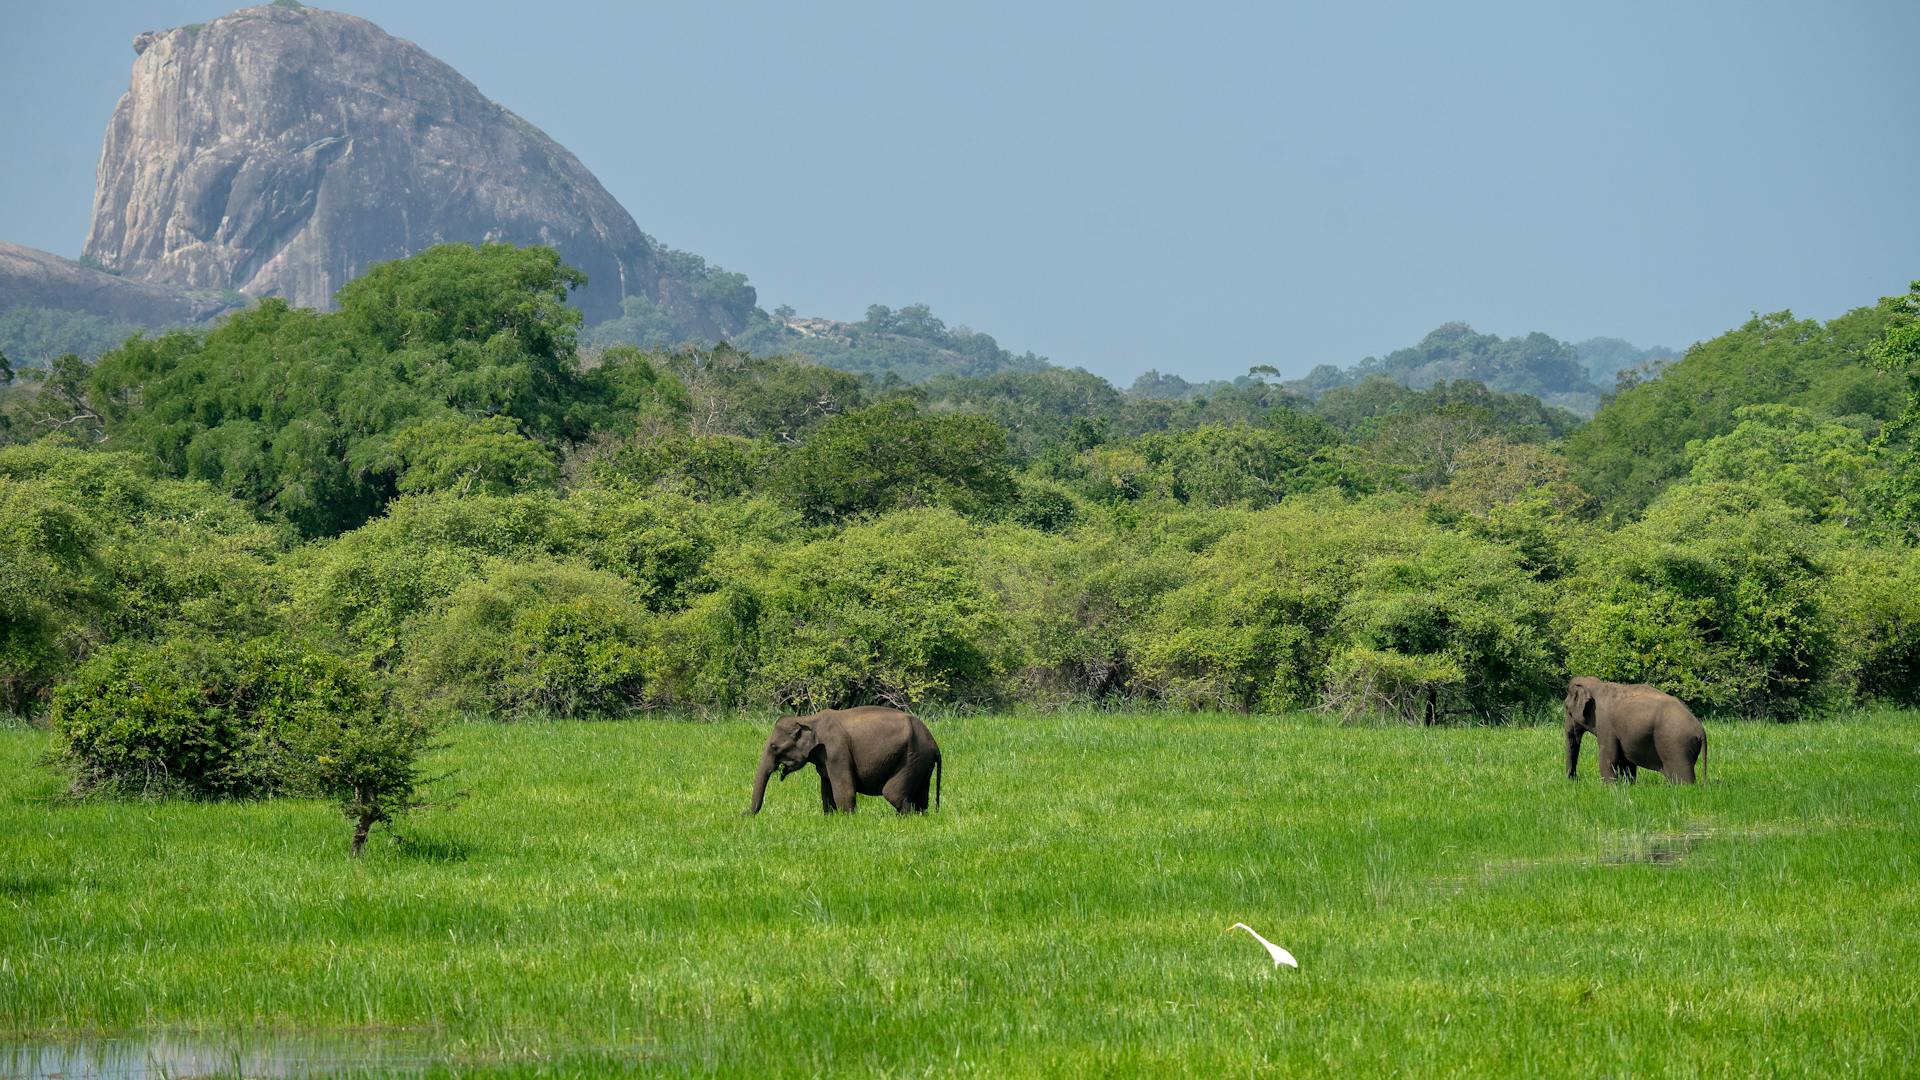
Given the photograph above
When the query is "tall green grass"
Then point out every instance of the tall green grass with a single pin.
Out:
(596, 902)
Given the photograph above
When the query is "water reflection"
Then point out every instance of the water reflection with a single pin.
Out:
(176, 1057)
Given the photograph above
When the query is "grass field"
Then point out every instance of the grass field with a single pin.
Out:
(596, 903)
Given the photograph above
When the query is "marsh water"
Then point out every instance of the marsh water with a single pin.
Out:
(173, 1057)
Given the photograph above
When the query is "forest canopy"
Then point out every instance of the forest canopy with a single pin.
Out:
(438, 486)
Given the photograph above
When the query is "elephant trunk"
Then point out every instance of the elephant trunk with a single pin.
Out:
(760, 780)
(1574, 732)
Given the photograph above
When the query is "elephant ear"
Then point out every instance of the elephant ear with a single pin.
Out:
(1583, 706)
(804, 740)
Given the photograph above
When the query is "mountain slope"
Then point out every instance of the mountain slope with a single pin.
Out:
(31, 278)
(281, 150)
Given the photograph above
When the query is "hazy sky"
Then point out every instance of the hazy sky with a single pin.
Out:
(1125, 186)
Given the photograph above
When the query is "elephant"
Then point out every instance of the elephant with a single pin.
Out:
(1637, 726)
(869, 750)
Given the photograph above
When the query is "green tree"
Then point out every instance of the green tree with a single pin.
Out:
(1038, 409)
(705, 466)
(483, 329)
(369, 762)
(294, 411)
(730, 392)
(891, 456)
(1221, 465)
(1822, 467)
(1637, 443)
(58, 402)
(464, 456)
(1898, 352)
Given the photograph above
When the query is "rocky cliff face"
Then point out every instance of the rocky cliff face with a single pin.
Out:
(34, 278)
(281, 150)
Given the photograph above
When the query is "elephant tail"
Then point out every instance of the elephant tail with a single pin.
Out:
(936, 783)
(1703, 757)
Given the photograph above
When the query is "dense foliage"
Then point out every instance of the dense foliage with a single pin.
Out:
(1637, 445)
(911, 343)
(436, 486)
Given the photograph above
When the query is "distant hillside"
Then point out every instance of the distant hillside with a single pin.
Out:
(911, 343)
(1571, 377)
(50, 305)
(1605, 358)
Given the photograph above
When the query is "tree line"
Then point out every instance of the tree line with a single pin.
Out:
(439, 498)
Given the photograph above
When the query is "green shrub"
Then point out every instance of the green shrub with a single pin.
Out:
(1073, 598)
(899, 611)
(93, 548)
(1874, 605)
(1365, 682)
(369, 585)
(49, 586)
(1267, 609)
(372, 585)
(203, 718)
(1255, 624)
(541, 637)
(1714, 597)
(1457, 619)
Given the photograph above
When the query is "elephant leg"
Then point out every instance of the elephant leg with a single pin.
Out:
(896, 791)
(836, 787)
(920, 792)
(1629, 771)
(1609, 756)
(1679, 772)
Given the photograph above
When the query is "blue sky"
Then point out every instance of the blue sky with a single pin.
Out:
(1123, 186)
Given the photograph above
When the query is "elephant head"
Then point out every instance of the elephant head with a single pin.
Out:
(1580, 707)
(792, 745)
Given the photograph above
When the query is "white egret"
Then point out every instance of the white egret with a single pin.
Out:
(1280, 955)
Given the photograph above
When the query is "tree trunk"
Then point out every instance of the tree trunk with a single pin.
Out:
(360, 830)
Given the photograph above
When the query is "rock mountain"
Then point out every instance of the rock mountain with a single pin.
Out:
(34, 278)
(282, 149)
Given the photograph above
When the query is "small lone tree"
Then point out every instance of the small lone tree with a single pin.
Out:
(370, 762)
(216, 719)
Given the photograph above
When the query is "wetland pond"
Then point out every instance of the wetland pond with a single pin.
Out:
(170, 1056)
